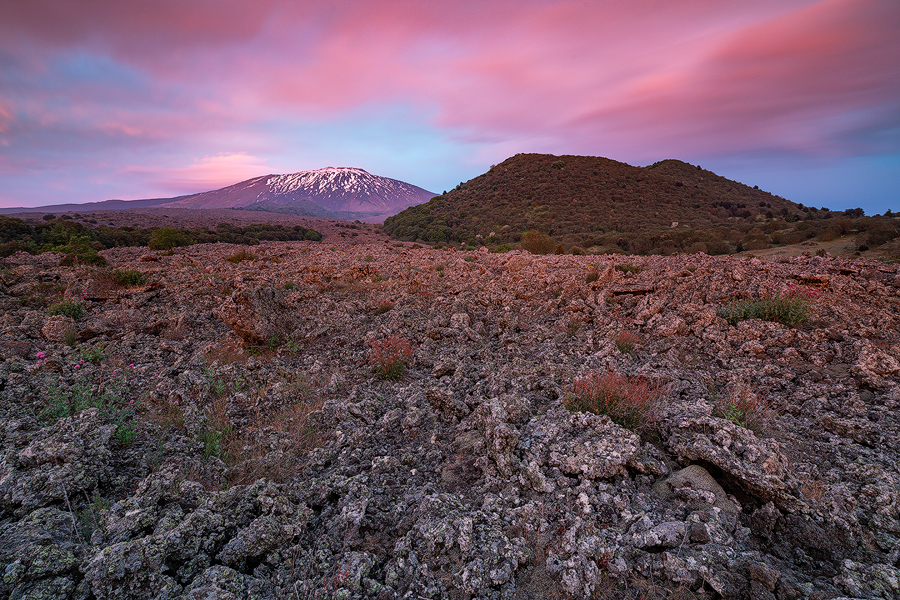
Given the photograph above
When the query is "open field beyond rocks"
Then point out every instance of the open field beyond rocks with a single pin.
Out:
(326, 420)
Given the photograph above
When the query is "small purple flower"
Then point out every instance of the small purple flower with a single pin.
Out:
(40, 355)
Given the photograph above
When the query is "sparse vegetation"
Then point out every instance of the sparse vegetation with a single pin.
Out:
(109, 393)
(241, 255)
(630, 402)
(629, 268)
(745, 408)
(217, 435)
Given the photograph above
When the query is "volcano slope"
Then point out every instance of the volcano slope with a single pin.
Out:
(218, 429)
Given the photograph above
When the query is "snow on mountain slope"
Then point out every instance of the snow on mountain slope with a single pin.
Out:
(333, 188)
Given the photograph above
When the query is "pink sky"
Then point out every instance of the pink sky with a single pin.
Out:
(103, 99)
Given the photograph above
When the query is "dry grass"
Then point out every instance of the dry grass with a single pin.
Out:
(225, 354)
(383, 307)
(630, 402)
(251, 459)
(241, 255)
(162, 414)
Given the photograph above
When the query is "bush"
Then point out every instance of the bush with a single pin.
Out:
(78, 249)
(68, 305)
(791, 307)
(627, 341)
(390, 356)
(383, 307)
(537, 242)
(631, 402)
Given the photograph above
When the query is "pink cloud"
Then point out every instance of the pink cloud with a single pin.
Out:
(205, 173)
(782, 84)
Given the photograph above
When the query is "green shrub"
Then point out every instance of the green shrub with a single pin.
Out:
(78, 249)
(166, 238)
(68, 305)
(593, 276)
(791, 307)
(93, 355)
(631, 402)
(127, 277)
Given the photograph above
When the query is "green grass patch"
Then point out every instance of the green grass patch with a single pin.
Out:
(792, 307)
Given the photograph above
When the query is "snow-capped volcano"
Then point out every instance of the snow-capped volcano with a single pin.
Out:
(333, 188)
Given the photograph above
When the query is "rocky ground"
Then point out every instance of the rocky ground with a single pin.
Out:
(220, 431)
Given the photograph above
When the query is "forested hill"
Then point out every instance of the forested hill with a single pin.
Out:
(574, 197)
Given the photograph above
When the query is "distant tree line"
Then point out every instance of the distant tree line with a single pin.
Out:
(82, 243)
(868, 232)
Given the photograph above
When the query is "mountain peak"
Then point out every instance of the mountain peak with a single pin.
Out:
(347, 189)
